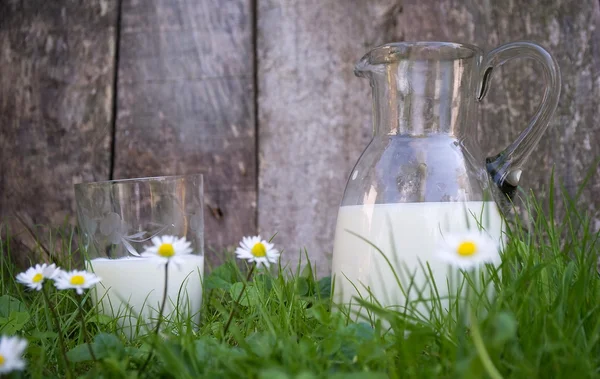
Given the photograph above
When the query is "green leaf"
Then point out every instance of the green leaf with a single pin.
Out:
(302, 286)
(253, 295)
(205, 349)
(104, 345)
(362, 331)
(325, 287)
(320, 313)
(250, 296)
(9, 304)
(222, 276)
(214, 282)
(101, 319)
(505, 329)
(13, 315)
(137, 353)
(261, 344)
(79, 353)
(331, 345)
(263, 282)
(14, 322)
(359, 375)
(272, 373)
(307, 272)
(107, 344)
(469, 367)
(373, 351)
(37, 335)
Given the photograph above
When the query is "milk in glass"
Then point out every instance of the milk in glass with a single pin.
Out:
(133, 288)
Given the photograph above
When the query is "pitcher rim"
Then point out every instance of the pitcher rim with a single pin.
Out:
(399, 51)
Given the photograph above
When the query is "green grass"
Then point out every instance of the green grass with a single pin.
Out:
(544, 321)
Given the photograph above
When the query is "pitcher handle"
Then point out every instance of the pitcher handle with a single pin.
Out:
(505, 168)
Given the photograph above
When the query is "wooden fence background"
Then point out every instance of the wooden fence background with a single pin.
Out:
(260, 96)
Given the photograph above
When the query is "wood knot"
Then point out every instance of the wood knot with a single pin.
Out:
(215, 211)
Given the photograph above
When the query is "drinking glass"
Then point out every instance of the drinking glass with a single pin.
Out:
(120, 222)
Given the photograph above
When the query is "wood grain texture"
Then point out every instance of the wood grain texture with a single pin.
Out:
(186, 104)
(570, 30)
(186, 100)
(314, 114)
(57, 62)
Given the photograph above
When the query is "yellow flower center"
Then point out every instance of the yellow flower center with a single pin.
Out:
(166, 250)
(259, 250)
(466, 249)
(37, 278)
(77, 280)
(2, 360)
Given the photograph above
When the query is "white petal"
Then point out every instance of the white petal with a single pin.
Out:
(262, 261)
(177, 261)
(18, 364)
(241, 250)
(243, 254)
(20, 347)
(160, 261)
(50, 271)
(246, 243)
(150, 250)
(156, 240)
(253, 241)
(21, 278)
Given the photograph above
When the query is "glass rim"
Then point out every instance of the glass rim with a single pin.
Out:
(161, 178)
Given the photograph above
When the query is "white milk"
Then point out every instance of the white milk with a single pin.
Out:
(407, 233)
(134, 286)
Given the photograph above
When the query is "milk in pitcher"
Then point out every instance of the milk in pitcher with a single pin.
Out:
(409, 235)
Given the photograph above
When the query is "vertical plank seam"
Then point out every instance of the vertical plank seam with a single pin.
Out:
(115, 87)
(254, 10)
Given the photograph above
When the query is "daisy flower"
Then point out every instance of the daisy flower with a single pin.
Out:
(255, 249)
(11, 351)
(77, 280)
(168, 249)
(34, 277)
(469, 250)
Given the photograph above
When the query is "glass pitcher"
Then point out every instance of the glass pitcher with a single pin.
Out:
(423, 174)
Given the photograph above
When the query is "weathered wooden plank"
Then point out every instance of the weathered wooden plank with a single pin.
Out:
(314, 114)
(186, 104)
(570, 30)
(56, 96)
